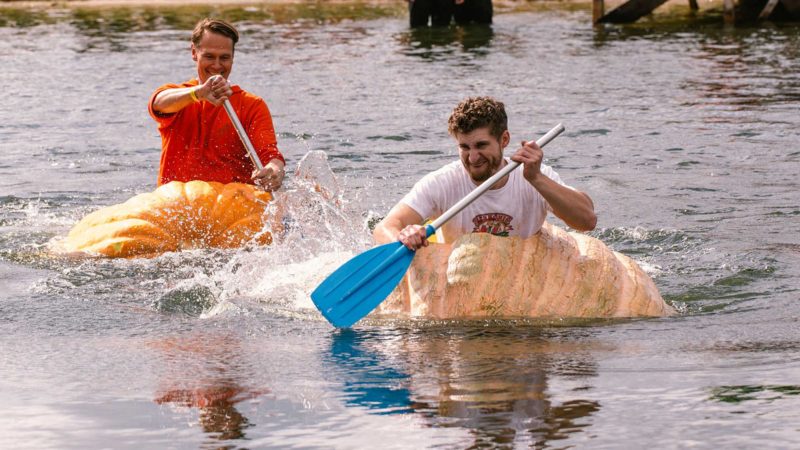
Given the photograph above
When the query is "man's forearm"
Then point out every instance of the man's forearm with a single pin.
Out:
(385, 233)
(575, 208)
(170, 101)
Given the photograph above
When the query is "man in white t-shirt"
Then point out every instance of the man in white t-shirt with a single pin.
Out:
(515, 206)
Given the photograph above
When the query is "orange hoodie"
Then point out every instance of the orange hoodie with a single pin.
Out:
(199, 142)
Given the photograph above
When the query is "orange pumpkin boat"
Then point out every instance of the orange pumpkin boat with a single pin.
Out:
(554, 274)
(175, 216)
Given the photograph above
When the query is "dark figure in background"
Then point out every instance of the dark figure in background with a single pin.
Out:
(441, 12)
(473, 11)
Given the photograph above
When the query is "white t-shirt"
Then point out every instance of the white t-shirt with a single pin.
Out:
(516, 209)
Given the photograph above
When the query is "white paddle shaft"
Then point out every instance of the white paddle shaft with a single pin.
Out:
(242, 135)
(486, 185)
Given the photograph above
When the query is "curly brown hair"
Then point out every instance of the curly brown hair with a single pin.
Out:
(478, 112)
(218, 26)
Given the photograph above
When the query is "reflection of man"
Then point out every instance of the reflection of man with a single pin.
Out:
(515, 206)
(492, 383)
(201, 373)
(496, 386)
(216, 404)
(441, 12)
(197, 138)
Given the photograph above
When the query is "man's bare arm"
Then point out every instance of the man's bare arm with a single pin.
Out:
(403, 224)
(574, 207)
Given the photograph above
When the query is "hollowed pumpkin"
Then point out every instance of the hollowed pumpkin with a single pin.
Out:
(552, 274)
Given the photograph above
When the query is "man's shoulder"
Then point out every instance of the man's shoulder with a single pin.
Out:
(246, 95)
(249, 102)
(449, 169)
(446, 174)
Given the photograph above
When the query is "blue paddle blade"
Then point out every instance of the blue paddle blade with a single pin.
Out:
(362, 283)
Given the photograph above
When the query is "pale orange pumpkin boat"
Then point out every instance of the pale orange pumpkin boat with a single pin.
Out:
(554, 274)
(175, 216)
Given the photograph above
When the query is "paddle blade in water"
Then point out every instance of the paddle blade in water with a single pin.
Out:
(362, 283)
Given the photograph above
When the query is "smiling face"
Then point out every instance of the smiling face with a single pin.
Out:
(481, 153)
(213, 55)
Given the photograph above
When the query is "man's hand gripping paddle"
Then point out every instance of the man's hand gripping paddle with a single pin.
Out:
(363, 282)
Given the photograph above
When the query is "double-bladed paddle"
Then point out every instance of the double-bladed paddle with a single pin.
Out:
(363, 282)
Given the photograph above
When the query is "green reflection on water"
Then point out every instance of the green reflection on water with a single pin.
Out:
(721, 293)
(147, 18)
(21, 17)
(742, 393)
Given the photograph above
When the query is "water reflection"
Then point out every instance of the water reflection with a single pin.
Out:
(218, 415)
(494, 383)
(440, 42)
(746, 69)
(742, 393)
(204, 372)
(736, 69)
(676, 23)
(378, 386)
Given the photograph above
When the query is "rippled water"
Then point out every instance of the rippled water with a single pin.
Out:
(686, 137)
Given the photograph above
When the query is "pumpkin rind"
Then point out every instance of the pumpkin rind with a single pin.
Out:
(175, 216)
(554, 274)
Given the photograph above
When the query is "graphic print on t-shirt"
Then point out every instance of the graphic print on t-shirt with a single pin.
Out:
(498, 224)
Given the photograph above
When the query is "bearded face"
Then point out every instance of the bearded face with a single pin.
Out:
(481, 153)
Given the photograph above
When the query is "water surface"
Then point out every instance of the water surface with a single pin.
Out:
(685, 136)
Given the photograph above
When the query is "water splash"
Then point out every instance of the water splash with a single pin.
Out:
(317, 232)
(192, 297)
(318, 229)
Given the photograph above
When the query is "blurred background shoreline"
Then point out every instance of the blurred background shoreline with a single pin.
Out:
(381, 8)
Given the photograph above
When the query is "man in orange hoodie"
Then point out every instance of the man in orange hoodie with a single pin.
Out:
(198, 140)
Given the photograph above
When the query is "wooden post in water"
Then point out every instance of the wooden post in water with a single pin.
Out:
(630, 11)
(598, 9)
(729, 11)
(768, 8)
(693, 5)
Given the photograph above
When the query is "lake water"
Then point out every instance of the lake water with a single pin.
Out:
(687, 137)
